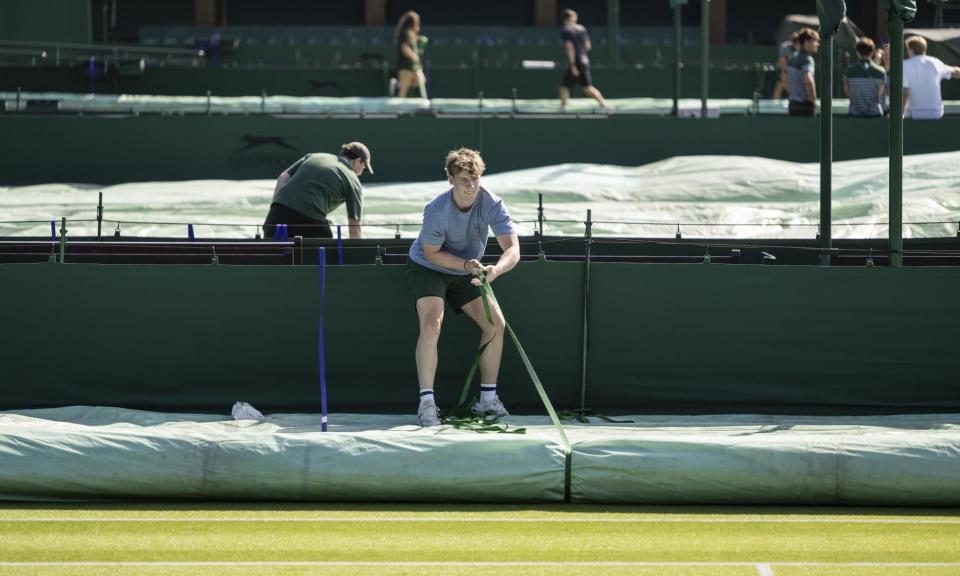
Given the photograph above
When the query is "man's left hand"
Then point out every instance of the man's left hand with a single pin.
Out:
(490, 272)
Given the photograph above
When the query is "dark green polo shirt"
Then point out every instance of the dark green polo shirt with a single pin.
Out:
(318, 185)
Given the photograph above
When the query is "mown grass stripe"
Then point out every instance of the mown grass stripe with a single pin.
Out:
(431, 519)
(496, 564)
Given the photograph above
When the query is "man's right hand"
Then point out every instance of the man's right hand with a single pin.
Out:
(574, 70)
(472, 266)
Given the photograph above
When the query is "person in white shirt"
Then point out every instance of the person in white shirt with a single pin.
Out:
(921, 81)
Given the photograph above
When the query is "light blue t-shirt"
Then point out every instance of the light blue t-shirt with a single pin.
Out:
(463, 234)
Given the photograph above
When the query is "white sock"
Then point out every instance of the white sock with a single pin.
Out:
(488, 392)
(425, 394)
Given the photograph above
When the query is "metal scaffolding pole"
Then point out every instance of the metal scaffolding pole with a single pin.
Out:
(677, 54)
(896, 142)
(613, 31)
(705, 56)
(826, 148)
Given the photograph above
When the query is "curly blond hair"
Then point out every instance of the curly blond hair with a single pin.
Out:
(464, 160)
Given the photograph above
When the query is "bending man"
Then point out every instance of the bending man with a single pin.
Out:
(315, 186)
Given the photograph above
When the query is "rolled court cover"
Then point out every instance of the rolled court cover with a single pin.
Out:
(95, 453)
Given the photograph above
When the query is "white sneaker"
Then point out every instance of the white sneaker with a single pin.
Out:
(491, 408)
(427, 414)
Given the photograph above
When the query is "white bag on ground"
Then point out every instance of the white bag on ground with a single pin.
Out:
(244, 411)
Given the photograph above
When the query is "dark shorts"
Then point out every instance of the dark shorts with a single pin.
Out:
(569, 80)
(802, 108)
(297, 223)
(456, 289)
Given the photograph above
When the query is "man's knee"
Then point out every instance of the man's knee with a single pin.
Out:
(431, 318)
(498, 326)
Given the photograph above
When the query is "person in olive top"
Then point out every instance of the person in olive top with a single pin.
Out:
(576, 44)
(443, 262)
(315, 186)
(409, 51)
(864, 83)
(800, 84)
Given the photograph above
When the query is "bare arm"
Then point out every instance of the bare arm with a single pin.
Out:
(906, 100)
(587, 46)
(442, 258)
(571, 55)
(355, 230)
(846, 88)
(956, 73)
(510, 245)
(409, 52)
(811, 87)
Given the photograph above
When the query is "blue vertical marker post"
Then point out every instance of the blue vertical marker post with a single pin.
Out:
(190, 233)
(339, 246)
(322, 347)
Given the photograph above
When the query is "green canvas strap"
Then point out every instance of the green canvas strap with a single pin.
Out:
(487, 296)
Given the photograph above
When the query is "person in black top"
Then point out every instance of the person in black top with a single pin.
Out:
(409, 50)
(576, 44)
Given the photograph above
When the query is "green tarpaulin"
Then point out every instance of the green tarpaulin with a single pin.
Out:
(84, 452)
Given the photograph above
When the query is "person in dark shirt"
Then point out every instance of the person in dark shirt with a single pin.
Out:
(576, 44)
(409, 51)
(864, 83)
(315, 186)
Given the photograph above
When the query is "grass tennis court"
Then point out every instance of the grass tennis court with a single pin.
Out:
(360, 539)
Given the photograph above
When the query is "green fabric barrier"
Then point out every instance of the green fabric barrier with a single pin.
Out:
(800, 338)
(831, 14)
(83, 143)
(696, 338)
(195, 338)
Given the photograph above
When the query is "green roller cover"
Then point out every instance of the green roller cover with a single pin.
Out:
(831, 13)
(902, 9)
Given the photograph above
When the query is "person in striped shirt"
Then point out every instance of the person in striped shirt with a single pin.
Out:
(800, 83)
(864, 82)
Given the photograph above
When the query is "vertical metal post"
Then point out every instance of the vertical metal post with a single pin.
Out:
(63, 238)
(613, 31)
(321, 344)
(704, 56)
(677, 56)
(480, 121)
(339, 245)
(896, 142)
(104, 20)
(540, 254)
(540, 213)
(100, 215)
(588, 241)
(826, 148)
